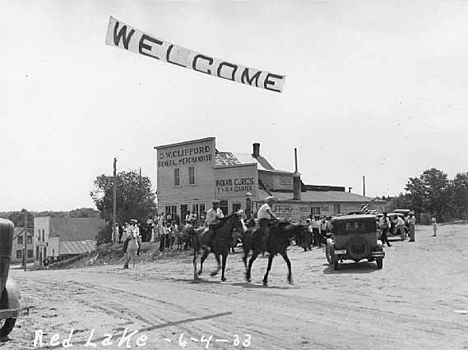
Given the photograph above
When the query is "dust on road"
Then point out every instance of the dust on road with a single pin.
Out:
(411, 303)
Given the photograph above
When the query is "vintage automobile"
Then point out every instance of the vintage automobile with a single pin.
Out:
(354, 237)
(392, 230)
(10, 301)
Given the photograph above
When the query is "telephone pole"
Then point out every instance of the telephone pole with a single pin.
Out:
(25, 238)
(114, 203)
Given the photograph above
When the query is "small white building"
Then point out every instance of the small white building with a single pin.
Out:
(57, 238)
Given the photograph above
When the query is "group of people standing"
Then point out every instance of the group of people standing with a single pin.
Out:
(401, 227)
(319, 228)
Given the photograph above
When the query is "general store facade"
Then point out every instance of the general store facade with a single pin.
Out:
(191, 174)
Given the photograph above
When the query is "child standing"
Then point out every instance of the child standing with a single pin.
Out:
(434, 226)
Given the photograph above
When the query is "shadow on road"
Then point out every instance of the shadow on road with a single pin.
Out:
(349, 267)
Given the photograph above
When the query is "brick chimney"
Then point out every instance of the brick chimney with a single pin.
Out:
(296, 180)
(255, 150)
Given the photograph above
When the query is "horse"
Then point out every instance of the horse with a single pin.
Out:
(184, 237)
(218, 243)
(280, 237)
(131, 252)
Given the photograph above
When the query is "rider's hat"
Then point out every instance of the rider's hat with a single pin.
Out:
(133, 221)
(216, 201)
(270, 199)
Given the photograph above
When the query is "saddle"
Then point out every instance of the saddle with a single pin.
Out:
(215, 225)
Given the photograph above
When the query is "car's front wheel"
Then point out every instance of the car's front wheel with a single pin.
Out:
(379, 263)
(328, 252)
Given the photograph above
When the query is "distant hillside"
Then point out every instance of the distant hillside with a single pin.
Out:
(17, 217)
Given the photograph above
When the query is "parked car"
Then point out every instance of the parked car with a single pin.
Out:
(405, 212)
(392, 217)
(10, 295)
(354, 237)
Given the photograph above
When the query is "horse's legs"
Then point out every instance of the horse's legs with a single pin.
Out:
(206, 252)
(127, 260)
(223, 278)
(244, 259)
(215, 272)
(288, 262)
(270, 262)
(195, 258)
(249, 268)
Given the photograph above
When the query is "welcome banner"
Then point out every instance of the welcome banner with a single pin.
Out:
(122, 35)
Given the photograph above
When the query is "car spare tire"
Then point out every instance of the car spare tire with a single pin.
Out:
(358, 248)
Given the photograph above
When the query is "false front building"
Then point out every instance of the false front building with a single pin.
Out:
(191, 174)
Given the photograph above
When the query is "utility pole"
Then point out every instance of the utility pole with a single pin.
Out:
(114, 203)
(364, 185)
(25, 237)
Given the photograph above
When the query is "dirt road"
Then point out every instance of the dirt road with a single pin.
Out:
(415, 302)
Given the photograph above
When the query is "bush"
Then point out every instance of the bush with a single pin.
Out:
(424, 219)
(105, 235)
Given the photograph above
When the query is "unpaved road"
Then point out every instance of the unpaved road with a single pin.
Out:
(414, 302)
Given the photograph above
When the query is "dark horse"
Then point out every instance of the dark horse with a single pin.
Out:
(219, 244)
(280, 238)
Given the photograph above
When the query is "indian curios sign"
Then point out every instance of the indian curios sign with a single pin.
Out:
(129, 38)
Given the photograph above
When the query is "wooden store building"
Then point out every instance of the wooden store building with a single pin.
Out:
(191, 174)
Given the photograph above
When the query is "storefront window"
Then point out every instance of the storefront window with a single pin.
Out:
(223, 205)
(315, 211)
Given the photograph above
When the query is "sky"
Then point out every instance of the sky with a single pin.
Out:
(374, 88)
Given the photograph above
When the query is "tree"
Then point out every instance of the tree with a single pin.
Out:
(430, 192)
(135, 199)
(459, 187)
(17, 218)
(84, 213)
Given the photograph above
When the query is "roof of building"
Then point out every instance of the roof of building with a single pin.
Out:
(76, 229)
(318, 196)
(20, 231)
(76, 247)
(231, 158)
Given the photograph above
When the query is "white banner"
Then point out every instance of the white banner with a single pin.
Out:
(126, 37)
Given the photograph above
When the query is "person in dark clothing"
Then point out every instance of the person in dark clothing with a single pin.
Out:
(307, 244)
(384, 225)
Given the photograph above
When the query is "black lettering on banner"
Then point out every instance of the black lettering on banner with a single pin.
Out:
(203, 57)
(234, 70)
(142, 45)
(168, 55)
(245, 77)
(271, 82)
(122, 35)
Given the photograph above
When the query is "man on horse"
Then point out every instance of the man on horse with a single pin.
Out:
(212, 221)
(266, 218)
(133, 233)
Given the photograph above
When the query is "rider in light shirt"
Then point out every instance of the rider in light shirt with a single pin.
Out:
(265, 216)
(213, 214)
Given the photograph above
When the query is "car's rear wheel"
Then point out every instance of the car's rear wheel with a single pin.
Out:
(358, 248)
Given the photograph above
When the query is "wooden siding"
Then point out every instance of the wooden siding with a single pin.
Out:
(200, 155)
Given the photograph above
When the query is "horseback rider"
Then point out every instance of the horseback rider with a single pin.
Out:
(133, 232)
(266, 219)
(212, 221)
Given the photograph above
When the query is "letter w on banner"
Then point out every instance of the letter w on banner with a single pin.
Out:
(126, 37)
